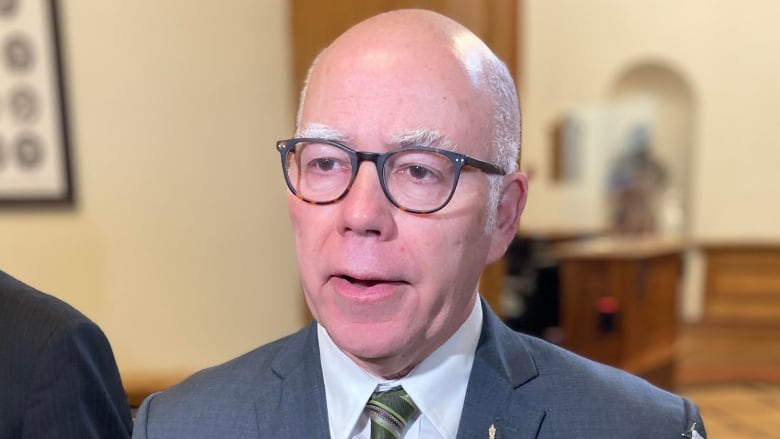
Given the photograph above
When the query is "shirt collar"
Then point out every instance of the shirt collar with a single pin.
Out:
(437, 385)
(347, 386)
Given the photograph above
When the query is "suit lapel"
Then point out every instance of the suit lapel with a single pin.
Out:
(495, 396)
(300, 410)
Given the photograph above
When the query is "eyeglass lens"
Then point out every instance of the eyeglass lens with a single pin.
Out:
(415, 179)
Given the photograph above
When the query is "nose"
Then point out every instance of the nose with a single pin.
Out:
(365, 210)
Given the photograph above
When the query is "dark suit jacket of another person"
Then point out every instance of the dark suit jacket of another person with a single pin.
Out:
(58, 376)
(523, 386)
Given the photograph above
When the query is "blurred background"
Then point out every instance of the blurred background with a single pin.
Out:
(647, 134)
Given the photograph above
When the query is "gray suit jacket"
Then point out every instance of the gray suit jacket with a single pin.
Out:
(525, 387)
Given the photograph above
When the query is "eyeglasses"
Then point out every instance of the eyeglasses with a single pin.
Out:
(416, 179)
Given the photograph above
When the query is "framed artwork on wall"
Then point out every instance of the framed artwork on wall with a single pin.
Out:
(35, 163)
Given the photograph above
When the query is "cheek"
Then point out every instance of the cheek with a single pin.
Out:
(464, 252)
(293, 210)
(307, 222)
(446, 239)
(446, 256)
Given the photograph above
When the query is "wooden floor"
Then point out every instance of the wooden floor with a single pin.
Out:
(738, 410)
(731, 370)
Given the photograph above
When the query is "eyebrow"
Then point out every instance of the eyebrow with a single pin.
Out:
(422, 137)
(322, 131)
(419, 137)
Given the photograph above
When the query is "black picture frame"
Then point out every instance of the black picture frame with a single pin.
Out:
(35, 150)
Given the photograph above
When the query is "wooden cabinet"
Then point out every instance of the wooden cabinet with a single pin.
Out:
(743, 281)
(737, 338)
(619, 304)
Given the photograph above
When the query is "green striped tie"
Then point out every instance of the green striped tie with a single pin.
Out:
(391, 412)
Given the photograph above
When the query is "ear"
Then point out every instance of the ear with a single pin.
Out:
(514, 193)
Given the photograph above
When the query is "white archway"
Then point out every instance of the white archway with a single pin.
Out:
(673, 125)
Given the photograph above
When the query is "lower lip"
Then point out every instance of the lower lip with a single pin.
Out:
(364, 294)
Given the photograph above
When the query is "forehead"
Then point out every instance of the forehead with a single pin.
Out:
(382, 93)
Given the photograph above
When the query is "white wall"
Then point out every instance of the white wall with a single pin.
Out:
(727, 51)
(179, 246)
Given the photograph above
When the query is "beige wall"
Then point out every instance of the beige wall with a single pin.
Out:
(179, 246)
(727, 52)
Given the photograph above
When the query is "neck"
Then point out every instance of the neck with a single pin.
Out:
(387, 368)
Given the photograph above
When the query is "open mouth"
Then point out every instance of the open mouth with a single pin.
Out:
(368, 283)
(365, 283)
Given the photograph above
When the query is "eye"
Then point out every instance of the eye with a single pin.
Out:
(323, 159)
(418, 172)
(421, 166)
(323, 164)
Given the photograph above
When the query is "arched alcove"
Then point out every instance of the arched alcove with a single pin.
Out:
(673, 122)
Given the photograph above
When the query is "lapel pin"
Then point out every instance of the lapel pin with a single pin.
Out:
(692, 433)
(492, 432)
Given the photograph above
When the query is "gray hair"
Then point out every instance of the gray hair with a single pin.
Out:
(506, 129)
(305, 91)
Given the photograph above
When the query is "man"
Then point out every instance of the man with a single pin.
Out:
(402, 189)
(58, 377)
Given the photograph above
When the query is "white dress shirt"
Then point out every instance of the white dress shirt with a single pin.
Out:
(437, 385)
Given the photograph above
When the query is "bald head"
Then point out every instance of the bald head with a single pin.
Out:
(390, 284)
(424, 36)
(425, 47)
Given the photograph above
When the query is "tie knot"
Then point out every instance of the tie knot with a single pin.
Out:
(391, 412)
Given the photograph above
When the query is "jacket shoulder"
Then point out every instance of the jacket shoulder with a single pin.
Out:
(579, 392)
(224, 397)
(22, 303)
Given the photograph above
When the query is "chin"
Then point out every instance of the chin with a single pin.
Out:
(367, 343)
